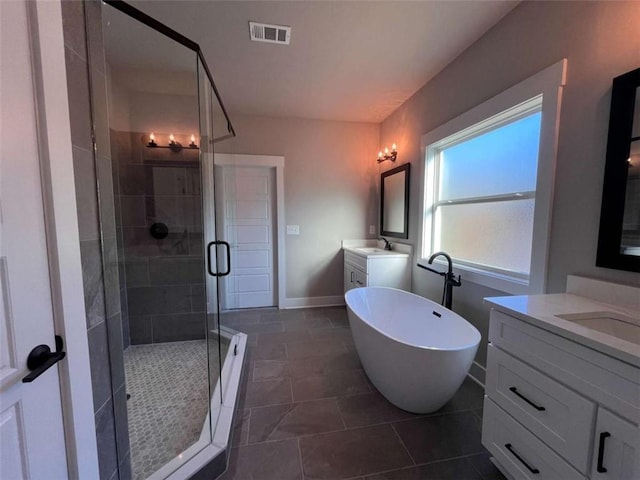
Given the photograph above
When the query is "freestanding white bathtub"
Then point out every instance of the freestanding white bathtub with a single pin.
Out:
(415, 351)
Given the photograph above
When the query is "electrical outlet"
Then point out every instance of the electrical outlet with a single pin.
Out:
(293, 229)
(372, 229)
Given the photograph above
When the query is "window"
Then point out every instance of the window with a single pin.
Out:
(488, 184)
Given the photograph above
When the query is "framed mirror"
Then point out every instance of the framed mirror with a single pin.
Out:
(619, 237)
(394, 202)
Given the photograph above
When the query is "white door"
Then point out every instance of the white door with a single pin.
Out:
(31, 432)
(249, 219)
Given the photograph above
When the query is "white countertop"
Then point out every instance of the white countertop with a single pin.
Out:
(399, 250)
(542, 311)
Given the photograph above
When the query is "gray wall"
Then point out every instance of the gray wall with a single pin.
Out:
(97, 235)
(600, 41)
(330, 190)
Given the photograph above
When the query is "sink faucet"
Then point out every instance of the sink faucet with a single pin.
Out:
(449, 278)
(387, 244)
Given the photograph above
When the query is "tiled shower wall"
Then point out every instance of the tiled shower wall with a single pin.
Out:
(96, 222)
(164, 277)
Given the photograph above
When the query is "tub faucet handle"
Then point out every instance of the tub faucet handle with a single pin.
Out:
(452, 280)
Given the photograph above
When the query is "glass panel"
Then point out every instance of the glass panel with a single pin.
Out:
(494, 234)
(223, 176)
(214, 337)
(504, 160)
(158, 181)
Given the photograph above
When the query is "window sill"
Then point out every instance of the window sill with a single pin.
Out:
(501, 282)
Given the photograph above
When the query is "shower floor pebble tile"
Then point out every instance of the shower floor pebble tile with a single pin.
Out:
(169, 388)
(333, 424)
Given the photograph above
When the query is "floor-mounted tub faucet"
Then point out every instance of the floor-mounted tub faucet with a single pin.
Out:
(387, 244)
(449, 278)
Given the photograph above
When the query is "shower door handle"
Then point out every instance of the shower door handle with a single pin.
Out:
(209, 268)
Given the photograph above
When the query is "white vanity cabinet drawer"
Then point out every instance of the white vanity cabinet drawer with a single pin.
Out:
(616, 449)
(518, 451)
(361, 279)
(356, 260)
(354, 277)
(557, 415)
(606, 380)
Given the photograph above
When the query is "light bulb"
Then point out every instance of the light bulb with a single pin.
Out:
(380, 154)
(393, 147)
(193, 139)
(152, 137)
(171, 138)
(386, 151)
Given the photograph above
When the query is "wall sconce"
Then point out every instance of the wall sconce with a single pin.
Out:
(388, 155)
(173, 145)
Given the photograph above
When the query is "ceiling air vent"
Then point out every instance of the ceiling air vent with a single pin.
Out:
(263, 32)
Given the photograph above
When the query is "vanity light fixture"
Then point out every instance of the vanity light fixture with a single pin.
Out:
(173, 145)
(388, 155)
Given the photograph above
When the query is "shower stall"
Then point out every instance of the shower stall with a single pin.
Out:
(154, 94)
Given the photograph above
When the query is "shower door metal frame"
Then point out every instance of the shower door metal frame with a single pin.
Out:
(212, 458)
(172, 34)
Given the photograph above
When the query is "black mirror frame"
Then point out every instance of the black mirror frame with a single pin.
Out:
(615, 174)
(405, 233)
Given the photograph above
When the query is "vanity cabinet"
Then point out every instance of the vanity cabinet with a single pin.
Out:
(376, 270)
(616, 450)
(557, 409)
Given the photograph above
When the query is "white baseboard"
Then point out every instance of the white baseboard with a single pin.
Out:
(305, 302)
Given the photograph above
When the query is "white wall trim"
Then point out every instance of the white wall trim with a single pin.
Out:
(548, 82)
(267, 161)
(304, 302)
(63, 239)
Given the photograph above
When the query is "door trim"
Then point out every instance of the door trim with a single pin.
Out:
(63, 240)
(267, 161)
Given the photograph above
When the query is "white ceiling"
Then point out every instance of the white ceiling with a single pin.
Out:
(348, 60)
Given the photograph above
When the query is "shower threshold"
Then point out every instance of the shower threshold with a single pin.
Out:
(211, 450)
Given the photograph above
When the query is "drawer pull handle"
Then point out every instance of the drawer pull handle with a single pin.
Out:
(603, 437)
(535, 471)
(537, 407)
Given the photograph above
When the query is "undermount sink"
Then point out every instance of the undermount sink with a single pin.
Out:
(611, 323)
(373, 250)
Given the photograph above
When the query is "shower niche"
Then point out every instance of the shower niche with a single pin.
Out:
(157, 117)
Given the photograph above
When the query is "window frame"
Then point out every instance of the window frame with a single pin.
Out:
(540, 92)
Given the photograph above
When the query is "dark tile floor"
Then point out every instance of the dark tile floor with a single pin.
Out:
(307, 411)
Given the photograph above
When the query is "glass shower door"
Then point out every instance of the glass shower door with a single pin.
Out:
(214, 339)
(161, 116)
(215, 127)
